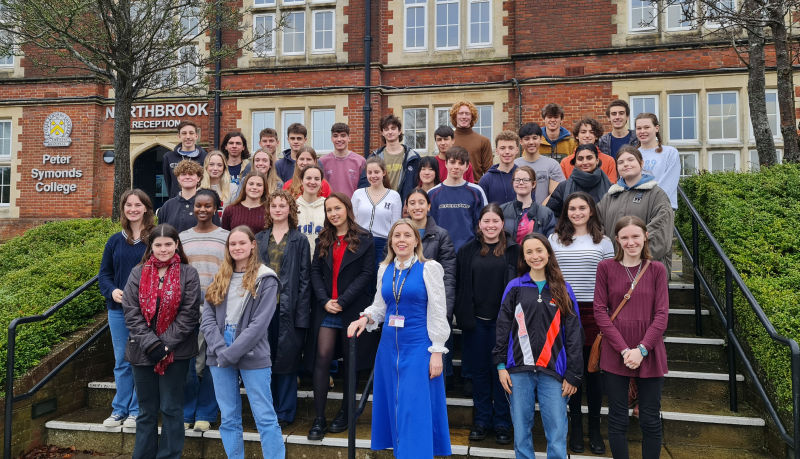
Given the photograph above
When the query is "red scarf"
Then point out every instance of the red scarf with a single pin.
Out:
(170, 295)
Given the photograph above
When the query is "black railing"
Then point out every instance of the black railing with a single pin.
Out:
(352, 412)
(10, 361)
(726, 313)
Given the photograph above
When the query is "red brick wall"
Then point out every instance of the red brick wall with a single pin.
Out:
(554, 25)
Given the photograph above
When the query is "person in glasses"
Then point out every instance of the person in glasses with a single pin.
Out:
(524, 215)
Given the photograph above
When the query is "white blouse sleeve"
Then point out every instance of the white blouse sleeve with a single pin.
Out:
(438, 328)
(377, 311)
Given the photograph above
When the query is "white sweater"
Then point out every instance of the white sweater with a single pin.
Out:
(377, 217)
(578, 262)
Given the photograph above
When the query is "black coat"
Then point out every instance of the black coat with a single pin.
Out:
(466, 285)
(288, 328)
(437, 245)
(356, 284)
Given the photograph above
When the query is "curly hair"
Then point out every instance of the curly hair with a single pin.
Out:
(472, 109)
(597, 129)
(289, 201)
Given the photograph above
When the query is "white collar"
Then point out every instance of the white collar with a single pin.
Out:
(401, 265)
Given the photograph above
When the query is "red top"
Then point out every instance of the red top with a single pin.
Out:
(324, 189)
(234, 216)
(642, 320)
(338, 254)
(443, 171)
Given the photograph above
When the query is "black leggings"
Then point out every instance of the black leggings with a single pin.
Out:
(616, 387)
(326, 347)
(594, 390)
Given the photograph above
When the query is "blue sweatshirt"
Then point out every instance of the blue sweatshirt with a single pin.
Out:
(119, 258)
(457, 209)
(285, 166)
(497, 185)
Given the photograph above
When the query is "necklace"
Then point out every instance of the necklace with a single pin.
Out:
(632, 277)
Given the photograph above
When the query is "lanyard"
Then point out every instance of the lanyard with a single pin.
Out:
(395, 290)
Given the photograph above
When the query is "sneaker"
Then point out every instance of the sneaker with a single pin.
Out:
(201, 426)
(187, 425)
(115, 420)
(130, 422)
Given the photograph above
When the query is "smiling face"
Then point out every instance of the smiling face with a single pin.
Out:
(312, 181)
(646, 132)
(536, 255)
(427, 175)
(375, 174)
(507, 151)
(631, 238)
(586, 135)
(523, 183)
(134, 209)
(617, 117)
(417, 207)
(404, 241)
(164, 248)
(254, 188)
(278, 210)
(188, 137)
(552, 123)
(268, 143)
(340, 141)
(204, 208)
(464, 117)
(215, 167)
(336, 213)
(391, 133)
(628, 167)
(188, 181)
(578, 212)
(491, 224)
(262, 162)
(235, 147)
(586, 161)
(304, 160)
(239, 246)
(530, 143)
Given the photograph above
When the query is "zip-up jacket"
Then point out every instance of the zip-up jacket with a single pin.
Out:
(534, 336)
(604, 142)
(544, 221)
(408, 173)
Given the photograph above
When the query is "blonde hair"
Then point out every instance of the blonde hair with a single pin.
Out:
(218, 290)
(390, 255)
(224, 187)
(272, 175)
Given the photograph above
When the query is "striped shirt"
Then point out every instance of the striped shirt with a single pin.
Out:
(206, 252)
(578, 262)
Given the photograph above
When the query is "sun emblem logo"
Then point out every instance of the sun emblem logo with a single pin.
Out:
(57, 128)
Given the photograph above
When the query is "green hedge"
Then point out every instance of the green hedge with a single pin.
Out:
(40, 268)
(756, 217)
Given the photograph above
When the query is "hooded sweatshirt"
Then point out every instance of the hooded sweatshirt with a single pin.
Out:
(310, 218)
(285, 166)
(171, 159)
(497, 185)
(558, 148)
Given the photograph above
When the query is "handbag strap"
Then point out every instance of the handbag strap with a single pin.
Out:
(630, 290)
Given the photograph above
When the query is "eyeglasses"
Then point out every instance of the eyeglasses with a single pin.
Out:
(521, 180)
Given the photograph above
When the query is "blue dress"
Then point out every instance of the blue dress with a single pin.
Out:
(406, 416)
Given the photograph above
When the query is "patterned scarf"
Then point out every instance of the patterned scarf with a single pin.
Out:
(170, 295)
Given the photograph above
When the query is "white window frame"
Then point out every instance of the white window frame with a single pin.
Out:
(632, 102)
(263, 3)
(6, 140)
(424, 129)
(190, 17)
(321, 138)
(412, 6)
(754, 166)
(447, 25)
(776, 128)
(481, 119)
(293, 2)
(716, 25)
(734, 139)
(294, 32)
(183, 68)
(258, 127)
(736, 159)
(261, 49)
(676, 8)
(470, 42)
(314, 49)
(693, 154)
(436, 111)
(639, 27)
(696, 138)
(3, 185)
(285, 122)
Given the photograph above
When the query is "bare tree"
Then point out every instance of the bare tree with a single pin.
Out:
(139, 47)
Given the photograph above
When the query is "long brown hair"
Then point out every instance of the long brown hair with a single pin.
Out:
(242, 189)
(552, 273)
(148, 218)
(284, 194)
(654, 119)
(169, 231)
(218, 290)
(297, 180)
(500, 249)
(564, 228)
(327, 237)
(376, 160)
(627, 221)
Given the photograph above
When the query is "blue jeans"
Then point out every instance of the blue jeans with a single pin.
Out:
(527, 387)
(125, 402)
(164, 394)
(257, 382)
(200, 403)
(284, 396)
(491, 405)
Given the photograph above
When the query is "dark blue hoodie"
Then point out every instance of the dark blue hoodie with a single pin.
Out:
(497, 185)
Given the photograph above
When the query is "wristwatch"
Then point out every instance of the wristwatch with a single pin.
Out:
(643, 350)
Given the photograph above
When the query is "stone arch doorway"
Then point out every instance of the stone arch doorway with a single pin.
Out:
(148, 174)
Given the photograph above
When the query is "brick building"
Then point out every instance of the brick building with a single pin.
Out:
(508, 57)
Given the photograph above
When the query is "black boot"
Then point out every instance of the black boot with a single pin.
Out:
(576, 433)
(318, 429)
(339, 423)
(596, 443)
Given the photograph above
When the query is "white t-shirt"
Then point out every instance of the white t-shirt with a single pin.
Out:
(578, 262)
(666, 168)
(235, 301)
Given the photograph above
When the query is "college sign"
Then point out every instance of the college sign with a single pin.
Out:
(57, 128)
(161, 116)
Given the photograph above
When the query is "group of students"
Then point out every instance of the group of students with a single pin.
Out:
(338, 245)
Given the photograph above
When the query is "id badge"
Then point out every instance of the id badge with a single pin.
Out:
(397, 321)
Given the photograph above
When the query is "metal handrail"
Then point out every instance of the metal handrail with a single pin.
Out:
(726, 313)
(10, 360)
(352, 412)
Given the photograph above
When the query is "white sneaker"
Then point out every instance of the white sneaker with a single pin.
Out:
(115, 420)
(187, 425)
(130, 422)
(201, 426)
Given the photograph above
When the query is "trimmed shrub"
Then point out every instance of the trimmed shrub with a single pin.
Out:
(755, 217)
(38, 270)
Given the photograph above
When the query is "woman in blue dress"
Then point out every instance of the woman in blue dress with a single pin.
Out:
(410, 300)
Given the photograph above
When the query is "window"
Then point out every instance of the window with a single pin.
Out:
(773, 116)
(680, 15)
(323, 30)
(258, 3)
(643, 15)
(5, 140)
(447, 24)
(5, 186)
(682, 117)
(724, 161)
(263, 26)
(294, 33)
(288, 117)
(190, 22)
(442, 117)
(321, 121)
(480, 22)
(754, 164)
(643, 104)
(716, 14)
(484, 124)
(688, 163)
(189, 68)
(262, 120)
(293, 2)
(415, 128)
(723, 116)
(415, 25)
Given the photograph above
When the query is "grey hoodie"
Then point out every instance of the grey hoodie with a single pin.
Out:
(250, 349)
